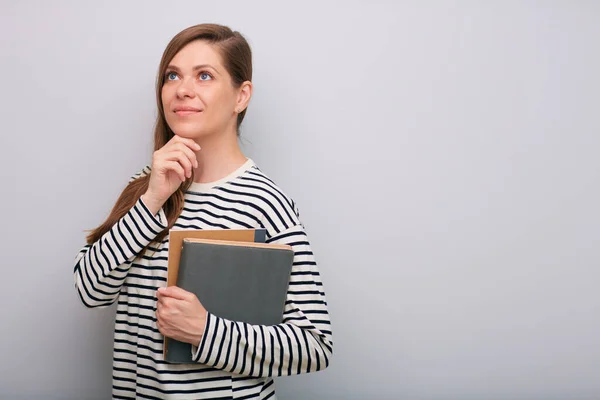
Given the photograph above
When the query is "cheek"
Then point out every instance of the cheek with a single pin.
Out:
(224, 103)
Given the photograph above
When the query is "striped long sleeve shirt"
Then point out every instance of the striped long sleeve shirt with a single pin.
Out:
(234, 360)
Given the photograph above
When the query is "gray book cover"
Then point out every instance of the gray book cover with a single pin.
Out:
(238, 281)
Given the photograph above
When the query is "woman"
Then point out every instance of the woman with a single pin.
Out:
(199, 178)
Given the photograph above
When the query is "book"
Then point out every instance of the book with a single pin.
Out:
(176, 237)
(238, 281)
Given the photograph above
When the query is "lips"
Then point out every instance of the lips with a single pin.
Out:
(186, 110)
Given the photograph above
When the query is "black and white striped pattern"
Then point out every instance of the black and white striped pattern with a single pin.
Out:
(234, 360)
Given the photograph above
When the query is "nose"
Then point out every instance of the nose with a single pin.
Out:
(185, 89)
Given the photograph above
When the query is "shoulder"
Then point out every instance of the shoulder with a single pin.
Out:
(259, 181)
(143, 172)
(279, 210)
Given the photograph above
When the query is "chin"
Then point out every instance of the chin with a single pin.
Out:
(189, 132)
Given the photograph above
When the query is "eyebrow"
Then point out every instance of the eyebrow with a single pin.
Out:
(196, 68)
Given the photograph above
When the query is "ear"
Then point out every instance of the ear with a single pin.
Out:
(243, 98)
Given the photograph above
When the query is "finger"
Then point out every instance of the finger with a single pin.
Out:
(162, 161)
(175, 293)
(161, 314)
(188, 142)
(181, 158)
(175, 167)
(188, 152)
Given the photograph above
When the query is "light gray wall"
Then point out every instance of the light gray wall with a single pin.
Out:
(444, 155)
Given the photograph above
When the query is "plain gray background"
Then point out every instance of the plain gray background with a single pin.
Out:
(444, 155)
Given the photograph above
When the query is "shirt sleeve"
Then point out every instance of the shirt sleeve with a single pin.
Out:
(101, 268)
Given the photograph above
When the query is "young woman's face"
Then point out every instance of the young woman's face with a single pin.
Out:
(198, 96)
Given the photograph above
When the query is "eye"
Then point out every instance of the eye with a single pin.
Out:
(205, 76)
(171, 76)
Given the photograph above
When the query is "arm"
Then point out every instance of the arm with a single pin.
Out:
(101, 268)
(301, 344)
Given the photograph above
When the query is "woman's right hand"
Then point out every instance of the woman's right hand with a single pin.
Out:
(171, 166)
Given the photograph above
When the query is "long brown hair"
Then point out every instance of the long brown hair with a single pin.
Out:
(237, 60)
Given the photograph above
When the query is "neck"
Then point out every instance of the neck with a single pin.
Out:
(220, 155)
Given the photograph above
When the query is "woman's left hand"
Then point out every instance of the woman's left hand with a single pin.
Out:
(179, 315)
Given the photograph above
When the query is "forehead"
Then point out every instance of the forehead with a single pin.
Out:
(195, 53)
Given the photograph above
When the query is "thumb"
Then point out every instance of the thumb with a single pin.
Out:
(173, 292)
